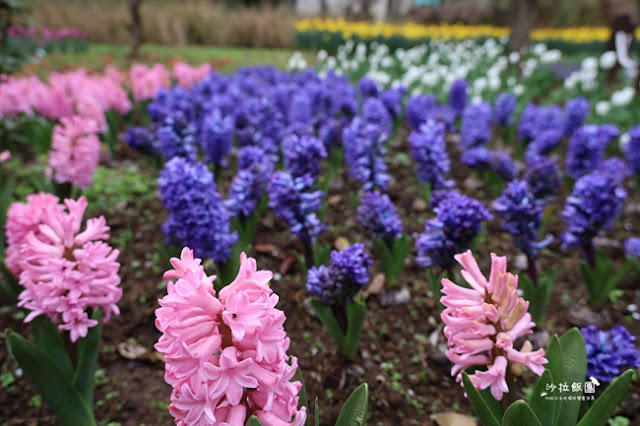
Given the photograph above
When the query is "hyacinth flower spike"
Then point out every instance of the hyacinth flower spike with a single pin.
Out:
(334, 288)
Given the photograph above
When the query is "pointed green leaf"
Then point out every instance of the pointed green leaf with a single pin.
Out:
(605, 405)
(329, 321)
(88, 351)
(317, 412)
(520, 414)
(48, 339)
(492, 403)
(554, 356)
(51, 383)
(480, 406)
(356, 314)
(253, 421)
(574, 370)
(302, 394)
(354, 411)
(545, 409)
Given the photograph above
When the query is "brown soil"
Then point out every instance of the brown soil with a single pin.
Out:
(409, 378)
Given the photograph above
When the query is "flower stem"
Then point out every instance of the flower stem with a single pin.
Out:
(532, 270)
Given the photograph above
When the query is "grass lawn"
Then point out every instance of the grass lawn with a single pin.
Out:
(224, 59)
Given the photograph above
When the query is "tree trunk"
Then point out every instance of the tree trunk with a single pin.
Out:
(523, 15)
(136, 27)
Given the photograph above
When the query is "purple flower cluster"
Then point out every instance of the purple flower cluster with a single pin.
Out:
(302, 155)
(368, 88)
(616, 168)
(428, 148)
(176, 137)
(300, 109)
(374, 112)
(458, 96)
(142, 140)
(364, 153)
(609, 351)
(522, 216)
(632, 149)
(392, 100)
(586, 148)
(576, 111)
(476, 158)
(632, 247)
(337, 284)
(418, 108)
(536, 119)
(216, 137)
(198, 217)
(542, 177)
(476, 125)
(457, 223)
(250, 184)
(594, 204)
(543, 143)
(502, 164)
(294, 201)
(503, 108)
(379, 217)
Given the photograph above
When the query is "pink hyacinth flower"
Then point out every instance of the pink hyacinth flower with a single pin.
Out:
(483, 321)
(188, 75)
(75, 151)
(64, 270)
(225, 355)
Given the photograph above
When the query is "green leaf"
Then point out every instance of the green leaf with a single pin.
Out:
(492, 403)
(554, 356)
(48, 339)
(88, 351)
(317, 412)
(545, 409)
(479, 404)
(520, 414)
(354, 411)
(604, 406)
(356, 313)
(574, 370)
(65, 401)
(253, 421)
(329, 321)
(303, 400)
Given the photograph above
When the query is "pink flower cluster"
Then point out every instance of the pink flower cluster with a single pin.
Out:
(146, 81)
(64, 271)
(66, 94)
(75, 151)
(188, 75)
(226, 355)
(484, 321)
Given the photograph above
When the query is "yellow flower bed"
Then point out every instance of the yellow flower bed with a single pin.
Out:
(366, 30)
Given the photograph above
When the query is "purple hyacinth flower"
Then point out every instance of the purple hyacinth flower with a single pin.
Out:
(544, 143)
(475, 128)
(336, 285)
(142, 140)
(502, 164)
(457, 223)
(374, 112)
(503, 108)
(379, 217)
(392, 100)
(417, 109)
(176, 137)
(300, 109)
(594, 204)
(616, 168)
(428, 148)
(632, 149)
(458, 96)
(368, 88)
(521, 214)
(476, 158)
(609, 351)
(294, 201)
(216, 137)
(586, 148)
(364, 154)
(542, 177)
(576, 111)
(302, 155)
(632, 247)
(249, 186)
(198, 217)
